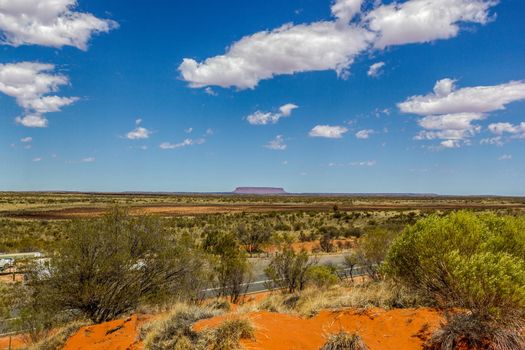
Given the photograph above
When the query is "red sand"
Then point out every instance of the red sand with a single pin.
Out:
(114, 335)
(403, 329)
(399, 329)
(17, 342)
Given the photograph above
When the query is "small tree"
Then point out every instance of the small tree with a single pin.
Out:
(288, 269)
(328, 234)
(351, 261)
(474, 263)
(253, 237)
(231, 266)
(373, 248)
(108, 266)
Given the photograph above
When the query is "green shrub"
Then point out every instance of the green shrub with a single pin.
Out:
(470, 262)
(322, 276)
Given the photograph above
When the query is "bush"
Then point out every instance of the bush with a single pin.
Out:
(467, 331)
(228, 335)
(288, 269)
(231, 267)
(344, 341)
(322, 276)
(109, 266)
(373, 248)
(466, 261)
(176, 331)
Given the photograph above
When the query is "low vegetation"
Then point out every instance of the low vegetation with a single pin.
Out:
(344, 341)
(474, 267)
(469, 264)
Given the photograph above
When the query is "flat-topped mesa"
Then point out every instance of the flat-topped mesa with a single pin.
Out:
(259, 190)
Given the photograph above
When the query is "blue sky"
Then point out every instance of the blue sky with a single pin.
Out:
(349, 96)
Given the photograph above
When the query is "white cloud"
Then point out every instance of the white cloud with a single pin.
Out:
(446, 99)
(289, 49)
(26, 139)
(451, 144)
(421, 21)
(37, 159)
(139, 133)
(88, 160)
(364, 134)
(188, 130)
(286, 110)
(345, 10)
(210, 91)
(277, 144)
(51, 23)
(498, 141)
(331, 132)
(518, 131)
(366, 163)
(185, 143)
(332, 45)
(449, 113)
(505, 157)
(30, 83)
(375, 69)
(265, 118)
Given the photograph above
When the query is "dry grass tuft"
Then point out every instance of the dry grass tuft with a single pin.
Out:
(175, 332)
(467, 331)
(310, 301)
(228, 335)
(344, 341)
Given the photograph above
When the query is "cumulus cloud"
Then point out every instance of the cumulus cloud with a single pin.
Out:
(286, 50)
(334, 44)
(345, 10)
(327, 131)
(505, 157)
(37, 159)
(88, 160)
(265, 118)
(421, 21)
(449, 113)
(375, 69)
(364, 134)
(447, 99)
(139, 132)
(518, 131)
(26, 139)
(277, 144)
(31, 84)
(185, 143)
(51, 23)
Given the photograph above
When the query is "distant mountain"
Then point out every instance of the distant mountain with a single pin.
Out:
(259, 190)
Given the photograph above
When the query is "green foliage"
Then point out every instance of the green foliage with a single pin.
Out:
(373, 248)
(108, 266)
(288, 269)
(322, 276)
(469, 262)
(230, 264)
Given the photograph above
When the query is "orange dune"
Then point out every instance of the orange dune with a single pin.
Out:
(114, 335)
(405, 329)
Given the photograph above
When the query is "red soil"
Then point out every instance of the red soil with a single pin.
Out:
(17, 342)
(114, 335)
(404, 329)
